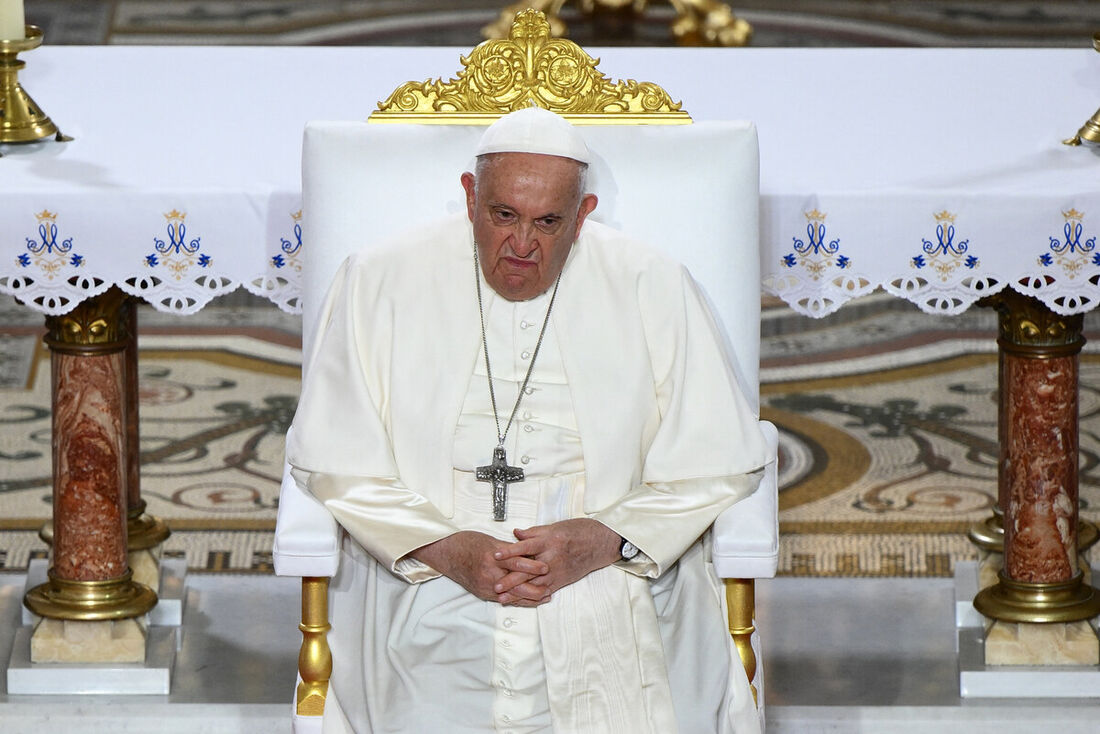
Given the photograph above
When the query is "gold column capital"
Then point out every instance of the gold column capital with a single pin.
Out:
(99, 325)
(1027, 327)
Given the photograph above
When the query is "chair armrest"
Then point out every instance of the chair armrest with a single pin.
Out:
(307, 538)
(746, 536)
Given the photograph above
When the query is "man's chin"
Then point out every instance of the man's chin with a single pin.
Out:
(516, 288)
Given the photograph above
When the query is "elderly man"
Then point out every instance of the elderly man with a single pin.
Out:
(527, 424)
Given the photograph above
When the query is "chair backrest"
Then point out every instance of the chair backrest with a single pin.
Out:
(688, 190)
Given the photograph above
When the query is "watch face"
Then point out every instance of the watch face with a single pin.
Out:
(628, 550)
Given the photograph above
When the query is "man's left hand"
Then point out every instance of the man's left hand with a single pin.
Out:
(571, 549)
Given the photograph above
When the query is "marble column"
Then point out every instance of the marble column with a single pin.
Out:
(989, 535)
(1040, 581)
(144, 533)
(90, 583)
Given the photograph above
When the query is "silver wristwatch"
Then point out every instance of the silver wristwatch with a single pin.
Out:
(627, 549)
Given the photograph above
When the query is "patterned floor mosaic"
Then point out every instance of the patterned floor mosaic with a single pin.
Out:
(887, 424)
(217, 392)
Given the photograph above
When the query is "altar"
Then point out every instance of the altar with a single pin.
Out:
(938, 176)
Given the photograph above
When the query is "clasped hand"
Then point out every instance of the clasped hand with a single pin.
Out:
(526, 573)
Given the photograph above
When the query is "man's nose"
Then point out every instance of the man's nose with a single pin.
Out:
(526, 238)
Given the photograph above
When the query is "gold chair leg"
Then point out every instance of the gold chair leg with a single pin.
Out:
(741, 601)
(314, 658)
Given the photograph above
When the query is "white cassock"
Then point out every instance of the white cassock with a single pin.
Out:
(633, 416)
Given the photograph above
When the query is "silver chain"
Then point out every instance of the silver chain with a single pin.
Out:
(485, 345)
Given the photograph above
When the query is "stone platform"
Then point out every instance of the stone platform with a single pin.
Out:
(856, 656)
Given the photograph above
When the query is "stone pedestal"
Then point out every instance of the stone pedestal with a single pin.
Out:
(71, 641)
(1020, 643)
(146, 567)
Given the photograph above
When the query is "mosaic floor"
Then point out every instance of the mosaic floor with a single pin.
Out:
(887, 419)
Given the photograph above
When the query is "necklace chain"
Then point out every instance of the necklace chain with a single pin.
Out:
(485, 346)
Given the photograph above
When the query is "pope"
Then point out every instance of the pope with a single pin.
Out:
(526, 423)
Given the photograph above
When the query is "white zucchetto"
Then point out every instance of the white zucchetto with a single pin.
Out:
(534, 130)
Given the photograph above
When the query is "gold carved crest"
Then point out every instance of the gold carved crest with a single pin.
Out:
(530, 68)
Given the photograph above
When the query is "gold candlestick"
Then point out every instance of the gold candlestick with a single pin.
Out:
(1089, 134)
(21, 119)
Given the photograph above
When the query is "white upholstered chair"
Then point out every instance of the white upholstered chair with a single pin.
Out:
(690, 190)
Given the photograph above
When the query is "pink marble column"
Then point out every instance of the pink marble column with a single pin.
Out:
(89, 452)
(989, 534)
(144, 532)
(130, 407)
(1040, 580)
(1041, 488)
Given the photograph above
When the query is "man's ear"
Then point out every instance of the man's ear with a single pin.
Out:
(588, 203)
(468, 184)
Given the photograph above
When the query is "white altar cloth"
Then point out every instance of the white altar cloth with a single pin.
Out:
(937, 174)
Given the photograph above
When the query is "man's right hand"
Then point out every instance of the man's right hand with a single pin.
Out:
(466, 557)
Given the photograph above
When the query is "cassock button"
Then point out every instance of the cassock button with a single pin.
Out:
(509, 623)
(528, 390)
(525, 459)
(526, 415)
(523, 324)
(525, 354)
(528, 428)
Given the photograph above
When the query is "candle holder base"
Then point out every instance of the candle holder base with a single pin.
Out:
(21, 118)
(1089, 134)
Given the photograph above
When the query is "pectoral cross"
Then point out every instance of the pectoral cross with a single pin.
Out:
(499, 474)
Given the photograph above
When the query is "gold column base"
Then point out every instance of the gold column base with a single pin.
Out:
(22, 121)
(144, 531)
(989, 534)
(119, 598)
(1087, 535)
(1019, 601)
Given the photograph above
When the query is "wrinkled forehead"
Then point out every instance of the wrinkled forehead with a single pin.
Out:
(556, 173)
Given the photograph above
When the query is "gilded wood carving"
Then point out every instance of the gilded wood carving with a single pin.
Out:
(530, 68)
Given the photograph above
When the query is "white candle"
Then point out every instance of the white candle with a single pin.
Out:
(12, 21)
